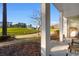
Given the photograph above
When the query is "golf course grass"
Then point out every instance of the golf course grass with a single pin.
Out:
(22, 31)
(19, 31)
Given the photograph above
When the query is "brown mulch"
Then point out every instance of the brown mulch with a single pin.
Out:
(21, 49)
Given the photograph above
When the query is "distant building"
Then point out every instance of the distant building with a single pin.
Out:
(9, 24)
(56, 26)
(29, 26)
(37, 28)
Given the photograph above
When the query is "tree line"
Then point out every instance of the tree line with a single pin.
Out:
(21, 25)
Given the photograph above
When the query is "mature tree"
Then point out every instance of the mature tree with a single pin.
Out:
(30, 25)
(22, 25)
(4, 26)
(37, 18)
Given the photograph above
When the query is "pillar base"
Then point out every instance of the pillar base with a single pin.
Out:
(6, 38)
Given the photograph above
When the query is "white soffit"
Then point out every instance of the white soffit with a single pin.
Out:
(68, 9)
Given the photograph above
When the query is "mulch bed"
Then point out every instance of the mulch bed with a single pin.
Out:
(21, 49)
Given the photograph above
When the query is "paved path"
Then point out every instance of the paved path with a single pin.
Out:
(19, 37)
(27, 36)
(9, 42)
(22, 37)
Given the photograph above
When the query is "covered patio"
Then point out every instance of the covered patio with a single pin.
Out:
(66, 12)
(50, 47)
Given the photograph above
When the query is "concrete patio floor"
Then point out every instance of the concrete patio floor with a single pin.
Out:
(60, 49)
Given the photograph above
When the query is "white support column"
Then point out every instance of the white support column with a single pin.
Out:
(45, 29)
(61, 26)
(65, 26)
(68, 33)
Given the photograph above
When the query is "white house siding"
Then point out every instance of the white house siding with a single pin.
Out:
(74, 23)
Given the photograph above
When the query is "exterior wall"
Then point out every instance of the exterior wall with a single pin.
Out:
(73, 23)
(69, 22)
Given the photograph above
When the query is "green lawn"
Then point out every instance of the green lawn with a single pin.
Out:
(52, 30)
(19, 31)
(22, 31)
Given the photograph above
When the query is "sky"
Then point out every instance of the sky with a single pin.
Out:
(22, 12)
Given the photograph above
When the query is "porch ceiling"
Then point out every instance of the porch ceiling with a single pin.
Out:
(68, 9)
